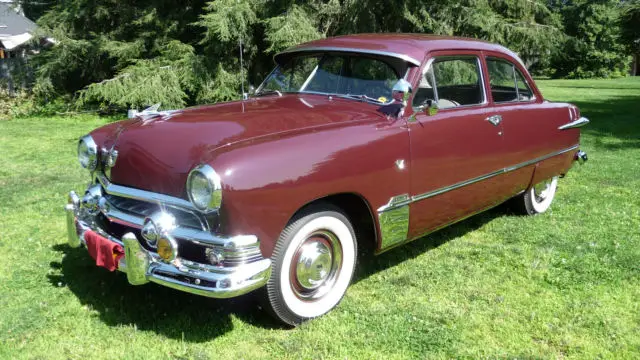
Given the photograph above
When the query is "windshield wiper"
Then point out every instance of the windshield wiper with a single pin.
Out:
(359, 97)
(268, 92)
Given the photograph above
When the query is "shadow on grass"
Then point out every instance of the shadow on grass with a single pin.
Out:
(193, 318)
(615, 116)
(369, 264)
(152, 307)
(596, 87)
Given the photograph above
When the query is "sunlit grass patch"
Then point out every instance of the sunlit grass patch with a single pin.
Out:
(564, 284)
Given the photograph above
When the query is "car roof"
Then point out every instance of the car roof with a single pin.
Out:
(409, 47)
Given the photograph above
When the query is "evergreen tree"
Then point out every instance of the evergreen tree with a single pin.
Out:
(118, 54)
(593, 47)
(630, 24)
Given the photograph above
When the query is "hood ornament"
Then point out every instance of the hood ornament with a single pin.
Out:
(151, 114)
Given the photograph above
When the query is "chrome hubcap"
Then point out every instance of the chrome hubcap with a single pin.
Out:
(316, 264)
(541, 190)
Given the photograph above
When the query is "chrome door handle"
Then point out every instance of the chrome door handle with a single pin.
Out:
(494, 119)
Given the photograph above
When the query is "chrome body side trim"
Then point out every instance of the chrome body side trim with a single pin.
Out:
(455, 186)
(404, 57)
(489, 175)
(394, 220)
(394, 216)
(575, 124)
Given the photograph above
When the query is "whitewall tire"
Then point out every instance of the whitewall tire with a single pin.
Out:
(538, 199)
(313, 263)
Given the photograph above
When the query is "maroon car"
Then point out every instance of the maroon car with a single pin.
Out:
(354, 141)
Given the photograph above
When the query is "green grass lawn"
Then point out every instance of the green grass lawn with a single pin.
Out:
(565, 284)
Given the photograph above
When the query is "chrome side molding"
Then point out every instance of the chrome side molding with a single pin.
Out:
(394, 216)
(394, 221)
(575, 124)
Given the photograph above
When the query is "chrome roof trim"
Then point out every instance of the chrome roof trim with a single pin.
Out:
(406, 58)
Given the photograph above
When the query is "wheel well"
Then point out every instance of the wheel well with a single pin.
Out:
(360, 215)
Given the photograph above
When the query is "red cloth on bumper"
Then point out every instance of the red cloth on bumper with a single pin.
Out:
(105, 252)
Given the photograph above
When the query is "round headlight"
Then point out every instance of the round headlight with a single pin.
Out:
(204, 188)
(88, 153)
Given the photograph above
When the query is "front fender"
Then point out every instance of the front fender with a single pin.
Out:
(266, 181)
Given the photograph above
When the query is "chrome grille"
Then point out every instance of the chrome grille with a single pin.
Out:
(143, 209)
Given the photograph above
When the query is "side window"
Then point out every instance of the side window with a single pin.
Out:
(524, 91)
(452, 82)
(506, 82)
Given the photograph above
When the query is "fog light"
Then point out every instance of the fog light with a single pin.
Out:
(167, 249)
(214, 256)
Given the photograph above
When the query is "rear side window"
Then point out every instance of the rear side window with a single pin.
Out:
(506, 82)
(452, 82)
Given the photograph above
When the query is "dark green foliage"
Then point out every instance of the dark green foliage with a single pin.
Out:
(593, 47)
(630, 25)
(131, 54)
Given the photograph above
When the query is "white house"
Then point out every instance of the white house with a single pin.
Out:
(15, 30)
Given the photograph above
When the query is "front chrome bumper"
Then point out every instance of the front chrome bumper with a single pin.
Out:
(142, 266)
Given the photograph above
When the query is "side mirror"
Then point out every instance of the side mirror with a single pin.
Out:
(401, 90)
(431, 107)
(250, 92)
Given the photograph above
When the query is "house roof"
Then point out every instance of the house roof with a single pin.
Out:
(15, 28)
(12, 22)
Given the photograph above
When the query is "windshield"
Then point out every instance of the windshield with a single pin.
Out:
(356, 76)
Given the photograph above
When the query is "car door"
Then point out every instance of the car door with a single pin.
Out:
(456, 153)
(530, 125)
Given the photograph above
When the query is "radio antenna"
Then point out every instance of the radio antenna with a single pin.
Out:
(244, 96)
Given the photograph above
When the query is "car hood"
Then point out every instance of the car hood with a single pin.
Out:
(156, 153)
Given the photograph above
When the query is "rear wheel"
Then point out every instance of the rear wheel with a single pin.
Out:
(538, 199)
(313, 263)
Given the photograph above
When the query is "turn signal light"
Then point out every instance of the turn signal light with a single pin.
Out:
(167, 249)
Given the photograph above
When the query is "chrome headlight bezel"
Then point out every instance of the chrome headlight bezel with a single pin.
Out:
(213, 183)
(88, 153)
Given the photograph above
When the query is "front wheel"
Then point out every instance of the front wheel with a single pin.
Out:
(538, 199)
(313, 262)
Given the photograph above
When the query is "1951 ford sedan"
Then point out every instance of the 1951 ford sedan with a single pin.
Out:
(354, 141)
